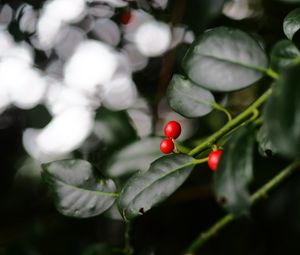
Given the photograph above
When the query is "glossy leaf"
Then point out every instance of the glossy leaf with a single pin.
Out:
(77, 190)
(148, 251)
(112, 131)
(146, 189)
(189, 99)
(290, 1)
(234, 172)
(265, 146)
(284, 53)
(291, 23)
(198, 14)
(113, 128)
(113, 213)
(100, 249)
(136, 156)
(225, 59)
(282, 113)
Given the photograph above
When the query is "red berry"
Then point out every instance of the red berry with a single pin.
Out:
(166, 146)
(213, 159)
(126, 17)
(172, 129)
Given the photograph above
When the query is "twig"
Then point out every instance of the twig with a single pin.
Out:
(231, 124)
(258, 195)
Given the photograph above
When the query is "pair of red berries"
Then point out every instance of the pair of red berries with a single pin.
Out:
(171, 130)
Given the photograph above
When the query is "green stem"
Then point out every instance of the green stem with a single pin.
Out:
(194, 162)
(227, 135)
(256, 196)
(254, 116)
(231, 124)
(258, 122)
(180, 148)
(274, 182)
(128, 250)
(199, 161)
(272, 74)
(222, 109)
(212, 231)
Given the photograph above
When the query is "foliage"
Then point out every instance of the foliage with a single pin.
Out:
(121, 174)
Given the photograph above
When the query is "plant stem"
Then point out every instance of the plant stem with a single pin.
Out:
(180, 148)
(128, 250)
(200, 161)
(231, 124)
(258, 195)
(272, 74)
(222, 109)
(274, 182)
(254, 116)
(212, 231)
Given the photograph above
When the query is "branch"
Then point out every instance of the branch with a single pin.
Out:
(257, 196)
(231, 124)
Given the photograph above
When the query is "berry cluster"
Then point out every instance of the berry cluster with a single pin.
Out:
(171, 130)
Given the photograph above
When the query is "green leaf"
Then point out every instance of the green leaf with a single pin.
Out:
(134, 157)
(146, 189)
(290, 1)
(189, 99)
(113, 212)
(199, 14)
(100, 249)
(291, 23)
(234, 172)
(265, 146)
(284, 53)
(76, 189)
(113, 128)
(112, 132)
(282, 113)
(225, 59)
(148, 251)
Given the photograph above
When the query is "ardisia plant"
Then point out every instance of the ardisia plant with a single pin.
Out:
(220, 60)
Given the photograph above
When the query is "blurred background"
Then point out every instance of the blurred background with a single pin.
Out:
(86, 79)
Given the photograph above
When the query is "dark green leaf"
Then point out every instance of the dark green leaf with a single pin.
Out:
(291, 23)
(77, 191)
(282, 113)
(290, 1)
(265, 146)
(225, 59)
(135, 156)
(189, 99)
(146, 189)
(112, 132)
(113, 212)
(284, 53)
(100, 249)
(148, 251)
(113, 128)
(234, 172)
(198, 14)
